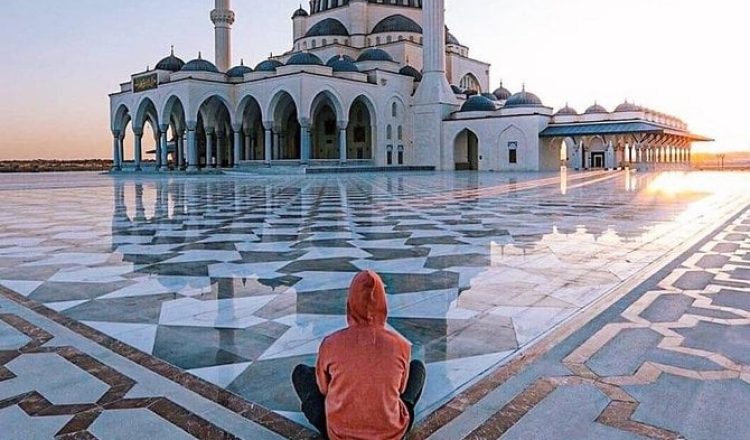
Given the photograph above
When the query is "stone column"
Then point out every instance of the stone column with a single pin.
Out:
(276, 145)
(192, 146)
(249, 151)
(209, 147)
(180, 158)
(267, 146)
(138, 146)
(342, 141)
(221, 141)
(304, 125)
(223, 19)
(163, 150)
(237, 145)
(116, 158)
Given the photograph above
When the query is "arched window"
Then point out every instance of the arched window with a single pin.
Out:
(470, 83)
(389, 132)
(394, 110)
(400, 133)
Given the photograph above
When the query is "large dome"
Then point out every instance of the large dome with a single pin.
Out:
(329, 26)
(268, 66)
(199, 65)
(596, 109)
(300, 13)
(374, 54)
(170, 63)
(397, 23)
(450, 38)
(478, 103)
(304, 59)
(523, 99)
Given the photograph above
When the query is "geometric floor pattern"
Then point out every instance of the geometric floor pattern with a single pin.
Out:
(237, 280)
(669, 361)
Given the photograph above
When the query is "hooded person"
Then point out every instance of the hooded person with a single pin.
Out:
(364, 386)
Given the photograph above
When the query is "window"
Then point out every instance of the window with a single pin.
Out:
(513, 152)
(389, 155)
(470, 83)
(400, 154)
(394, 110)
(389, 132)
(400, 133)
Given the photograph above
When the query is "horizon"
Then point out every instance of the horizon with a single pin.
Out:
(61, 112)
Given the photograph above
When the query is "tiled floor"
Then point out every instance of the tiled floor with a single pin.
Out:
(236, 280)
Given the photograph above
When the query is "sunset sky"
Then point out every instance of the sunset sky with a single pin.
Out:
(61, 58)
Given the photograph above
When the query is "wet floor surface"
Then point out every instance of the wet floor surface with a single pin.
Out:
(238, 280)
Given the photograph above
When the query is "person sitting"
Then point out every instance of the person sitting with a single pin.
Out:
(364, 386)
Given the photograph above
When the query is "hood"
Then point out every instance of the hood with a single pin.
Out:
(366, 305)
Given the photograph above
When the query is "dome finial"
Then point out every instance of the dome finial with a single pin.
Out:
(200, 55)
(523, 87)
(242, 61)
(172, 49)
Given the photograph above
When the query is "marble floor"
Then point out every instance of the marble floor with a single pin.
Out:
(236, 280)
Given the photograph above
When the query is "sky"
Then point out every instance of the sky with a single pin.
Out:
(61, 58)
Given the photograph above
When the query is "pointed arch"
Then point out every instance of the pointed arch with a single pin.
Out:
(466, 150)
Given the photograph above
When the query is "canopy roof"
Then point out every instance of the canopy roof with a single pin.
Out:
(611, 128)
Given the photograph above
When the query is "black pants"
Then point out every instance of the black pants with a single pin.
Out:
(314, 403)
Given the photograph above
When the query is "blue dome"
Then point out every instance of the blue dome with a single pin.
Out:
(300, 13)
(478, 103)
(342, 64)
(410, 71)
(170, 63)
(374, 55)
(523, 99)
(490, 96)
(268, 66)
(336, 58)
(450, 38)
(199, 65)
(596, 109)
(304, 59)
(239, 71)
(501, 93)
(329, 26)
(397, 23)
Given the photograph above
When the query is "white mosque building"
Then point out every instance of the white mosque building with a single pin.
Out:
(370, 85)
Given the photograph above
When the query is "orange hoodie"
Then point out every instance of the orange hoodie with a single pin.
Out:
(363, 369)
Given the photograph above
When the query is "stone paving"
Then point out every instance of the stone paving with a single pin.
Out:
(178, 306)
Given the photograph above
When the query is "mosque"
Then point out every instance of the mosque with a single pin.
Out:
(370, 85)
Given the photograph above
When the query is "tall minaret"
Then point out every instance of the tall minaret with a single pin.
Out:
(223, 19)
(434, 99)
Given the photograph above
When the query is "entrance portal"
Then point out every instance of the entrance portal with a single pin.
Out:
(597, 160)
(466, 151)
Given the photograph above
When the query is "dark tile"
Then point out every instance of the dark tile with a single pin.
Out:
(191, 269)
(142, 309)
(694, 280)
(337, 243)
(667, 308)
(712, 261)
(466, 260)
(422, 241)
(55, 291)
(382, 254)
(321, 265)
(405, 283)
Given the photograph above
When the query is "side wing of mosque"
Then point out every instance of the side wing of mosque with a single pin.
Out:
(370, 84)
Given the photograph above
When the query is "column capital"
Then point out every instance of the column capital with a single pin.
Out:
(191, 125)
(342, 125)
(305, 123)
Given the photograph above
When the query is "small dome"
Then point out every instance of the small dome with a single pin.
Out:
(523, 99)
(478, 103)
(397, 23)
(627, 107)
(239, 71)
(337, 58)
(304, 59)
(567, 111)
(490, 96)
(457, 90)
(170, 63)
(329, 26)
(268, 66)
(300, 13)
(501, 93)
(342, 63)
(199, 65)
(374, 54)
(450, 38)
(596, 109)
(412, 72)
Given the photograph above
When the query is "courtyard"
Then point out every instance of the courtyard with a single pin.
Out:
(205, 292)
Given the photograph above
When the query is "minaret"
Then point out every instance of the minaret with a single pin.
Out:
(434, 99)
(223, 19)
